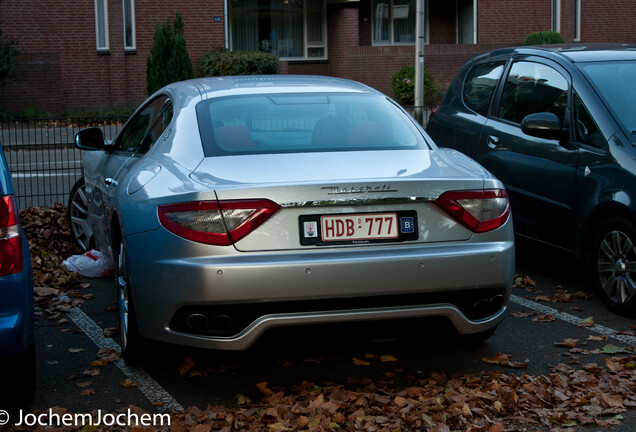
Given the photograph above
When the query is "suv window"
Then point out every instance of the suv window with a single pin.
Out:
(479, 86)
(532, 88)
(146, 126)
(586, 130)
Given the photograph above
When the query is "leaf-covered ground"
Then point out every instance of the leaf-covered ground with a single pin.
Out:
(569, 397)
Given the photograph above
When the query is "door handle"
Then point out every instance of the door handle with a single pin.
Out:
(110, 182)
(493, 141)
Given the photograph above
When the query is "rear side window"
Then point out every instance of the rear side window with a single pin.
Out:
(480, 85)
(309, 122)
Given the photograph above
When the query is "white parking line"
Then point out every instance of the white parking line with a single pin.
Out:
(148, 386)
(606, 331)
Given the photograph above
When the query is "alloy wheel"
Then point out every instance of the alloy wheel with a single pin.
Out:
(122, 296)
(616, 265)
(78, 217)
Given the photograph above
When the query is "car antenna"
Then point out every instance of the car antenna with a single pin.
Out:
(534, 9)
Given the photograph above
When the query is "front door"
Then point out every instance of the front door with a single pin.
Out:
(539, 174)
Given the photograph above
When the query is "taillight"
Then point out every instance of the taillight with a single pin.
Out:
(435, 108)
(11, 253)
(218, 223)
(478, 210)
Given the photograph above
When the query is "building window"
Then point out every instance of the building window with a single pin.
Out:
(129, 24)
(394, 21)
(292, 29)
(577, 20)
(466, 21)
(556, 15)
(101, 24)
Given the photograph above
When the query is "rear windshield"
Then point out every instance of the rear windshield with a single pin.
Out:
(292, 123)
(615, 82)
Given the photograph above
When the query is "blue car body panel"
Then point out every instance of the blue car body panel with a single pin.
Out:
(16, 291)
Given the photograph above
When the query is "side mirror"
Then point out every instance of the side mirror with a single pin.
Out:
(90, 139)
(543, 125)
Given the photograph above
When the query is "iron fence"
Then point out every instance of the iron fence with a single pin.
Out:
(43, 161)
(45, 164)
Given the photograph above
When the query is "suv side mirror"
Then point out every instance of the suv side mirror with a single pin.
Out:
(543, 125)
(90, 139)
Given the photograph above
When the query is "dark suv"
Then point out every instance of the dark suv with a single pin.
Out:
(557, 125)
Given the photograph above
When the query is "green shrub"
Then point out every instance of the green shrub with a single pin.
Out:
(168, 60)
(224, 63)
(8, 54)
(550, 37)
(403, 86)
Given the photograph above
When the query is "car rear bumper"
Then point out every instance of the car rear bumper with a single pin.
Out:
(316, 286)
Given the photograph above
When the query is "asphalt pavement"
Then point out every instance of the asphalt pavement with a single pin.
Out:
(68, 377)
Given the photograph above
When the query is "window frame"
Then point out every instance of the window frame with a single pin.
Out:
(391, 41)
(306, 46)
(133, 46)
(101, 16)
(458, 23)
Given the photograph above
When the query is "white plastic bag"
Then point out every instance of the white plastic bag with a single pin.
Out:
(92, 264)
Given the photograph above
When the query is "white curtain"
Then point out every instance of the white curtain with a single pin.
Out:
(244, 20)
(287, 28)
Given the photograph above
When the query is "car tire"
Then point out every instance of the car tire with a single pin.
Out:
(614, 264)
(78, 216)
(132, 344)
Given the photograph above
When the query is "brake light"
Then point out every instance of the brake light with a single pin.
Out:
(217, 223)
(435, 108)
(478, 210)
(11, 254)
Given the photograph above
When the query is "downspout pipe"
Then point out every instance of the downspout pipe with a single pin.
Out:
(226, 26)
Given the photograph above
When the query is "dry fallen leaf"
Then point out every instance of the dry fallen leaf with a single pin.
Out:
(546, 318)
(567, 343)
(127, 383)
(504, 360)
(588, 322)
(185, 367)
(359, 362)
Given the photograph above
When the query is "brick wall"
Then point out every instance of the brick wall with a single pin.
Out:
(60, 68)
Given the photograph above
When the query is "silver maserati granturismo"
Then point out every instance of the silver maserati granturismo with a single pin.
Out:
(234, 205)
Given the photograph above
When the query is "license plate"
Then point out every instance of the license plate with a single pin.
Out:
(351, 227)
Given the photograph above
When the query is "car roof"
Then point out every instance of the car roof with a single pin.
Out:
(260, 84)
(575, 52)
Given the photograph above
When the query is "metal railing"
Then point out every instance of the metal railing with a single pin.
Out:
(45, 164)
(43, 161)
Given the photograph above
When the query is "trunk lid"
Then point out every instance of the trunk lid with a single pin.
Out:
(314, 187)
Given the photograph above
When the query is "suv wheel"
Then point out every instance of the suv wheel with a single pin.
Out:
(615, 264)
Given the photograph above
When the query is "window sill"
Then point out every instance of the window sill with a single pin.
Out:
(103, 52)
(305, 61)
(130, 51)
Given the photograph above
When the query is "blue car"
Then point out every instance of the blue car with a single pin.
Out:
(17, 353)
